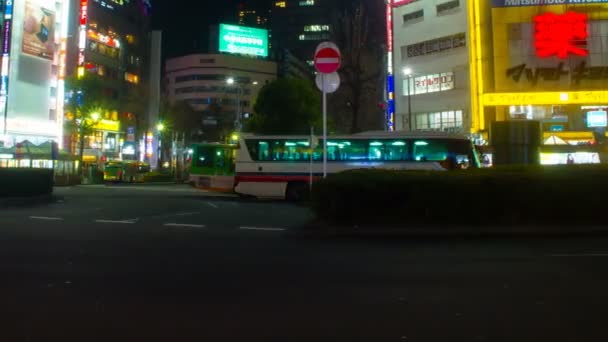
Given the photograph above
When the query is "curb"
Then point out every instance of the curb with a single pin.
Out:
(28, 201)
(323, 231)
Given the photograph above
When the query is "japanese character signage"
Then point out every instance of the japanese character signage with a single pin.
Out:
(525, 3)
(577, 74)
(560, 35)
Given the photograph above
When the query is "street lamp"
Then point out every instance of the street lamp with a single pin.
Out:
(237, 122)
(407, 72)
(160, 127)
(95, 116)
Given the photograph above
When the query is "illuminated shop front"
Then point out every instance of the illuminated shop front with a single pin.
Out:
(103, 143)
(537, 60)
(34, 35)
(546, 61)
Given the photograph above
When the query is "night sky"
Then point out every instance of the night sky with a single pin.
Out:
(185, 23)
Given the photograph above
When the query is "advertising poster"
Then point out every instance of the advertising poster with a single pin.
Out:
(38, 31)
(243, 40)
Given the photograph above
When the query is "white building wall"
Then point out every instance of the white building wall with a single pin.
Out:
(432, 25)
(257, 72)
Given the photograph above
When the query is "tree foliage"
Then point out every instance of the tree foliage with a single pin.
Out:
(180, 118)
(287, 106)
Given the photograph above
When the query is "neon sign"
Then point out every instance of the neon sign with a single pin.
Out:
(560, 35)
(84, 9)
(102, 38)
(390, 78)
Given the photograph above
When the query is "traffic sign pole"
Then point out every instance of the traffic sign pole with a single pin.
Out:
(324, 128)
(327, 61)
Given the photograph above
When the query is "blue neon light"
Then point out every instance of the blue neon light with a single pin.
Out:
(390, 108)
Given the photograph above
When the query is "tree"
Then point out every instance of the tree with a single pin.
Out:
(361, 72)
(87, 102)
(286, 106)
(224, 123)
(180, 118)
(134, 104)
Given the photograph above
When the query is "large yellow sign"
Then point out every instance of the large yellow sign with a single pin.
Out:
(545, 98)
(108, 125)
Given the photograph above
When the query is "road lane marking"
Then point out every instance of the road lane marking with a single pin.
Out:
(115, 221)
(46, 218)
(264, 229)
(213, 205)
(184, 225)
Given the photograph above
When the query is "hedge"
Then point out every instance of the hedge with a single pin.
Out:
(157, 177)
(502, 196)
(21, 182)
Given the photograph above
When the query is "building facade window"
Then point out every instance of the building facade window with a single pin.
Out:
(447, 7)
(316, 28)
(439, 121)
(414, 16)
(314, 36)
(214, 77)
(432, 46)
(210, 89)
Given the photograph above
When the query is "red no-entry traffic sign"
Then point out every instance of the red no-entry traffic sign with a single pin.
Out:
(327, 58)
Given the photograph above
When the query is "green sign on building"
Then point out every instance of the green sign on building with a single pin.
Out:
(243, 40)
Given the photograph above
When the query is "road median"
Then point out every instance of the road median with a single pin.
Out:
(328, 230)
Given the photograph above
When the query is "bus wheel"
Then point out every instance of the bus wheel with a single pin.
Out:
(297, 192)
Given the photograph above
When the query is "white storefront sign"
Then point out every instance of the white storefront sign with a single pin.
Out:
(429, 83)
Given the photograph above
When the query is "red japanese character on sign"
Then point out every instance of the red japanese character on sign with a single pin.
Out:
(561, 34)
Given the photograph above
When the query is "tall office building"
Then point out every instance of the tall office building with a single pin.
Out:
(300, 25)
(252, 16)
(111, 39)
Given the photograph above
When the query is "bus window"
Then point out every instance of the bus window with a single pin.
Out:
(205, 156)
(376, 151)
(396, 151)
(259, 150)
(343, 150)
(430, 150)
(458, 152)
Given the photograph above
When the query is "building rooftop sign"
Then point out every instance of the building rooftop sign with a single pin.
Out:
(523, 3)
(243, 40)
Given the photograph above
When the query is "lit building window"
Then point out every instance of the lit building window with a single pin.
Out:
(131, 78)
(316, 28)
(307, 3)
(281, 4)
(317, 36)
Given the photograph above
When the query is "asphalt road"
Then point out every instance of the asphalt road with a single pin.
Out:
(172, 264)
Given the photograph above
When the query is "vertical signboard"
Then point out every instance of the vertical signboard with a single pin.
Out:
(6, 47)
(390, 78)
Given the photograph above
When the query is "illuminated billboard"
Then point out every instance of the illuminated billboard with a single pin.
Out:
(33, 71)
(243, 40)
(38, 31)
